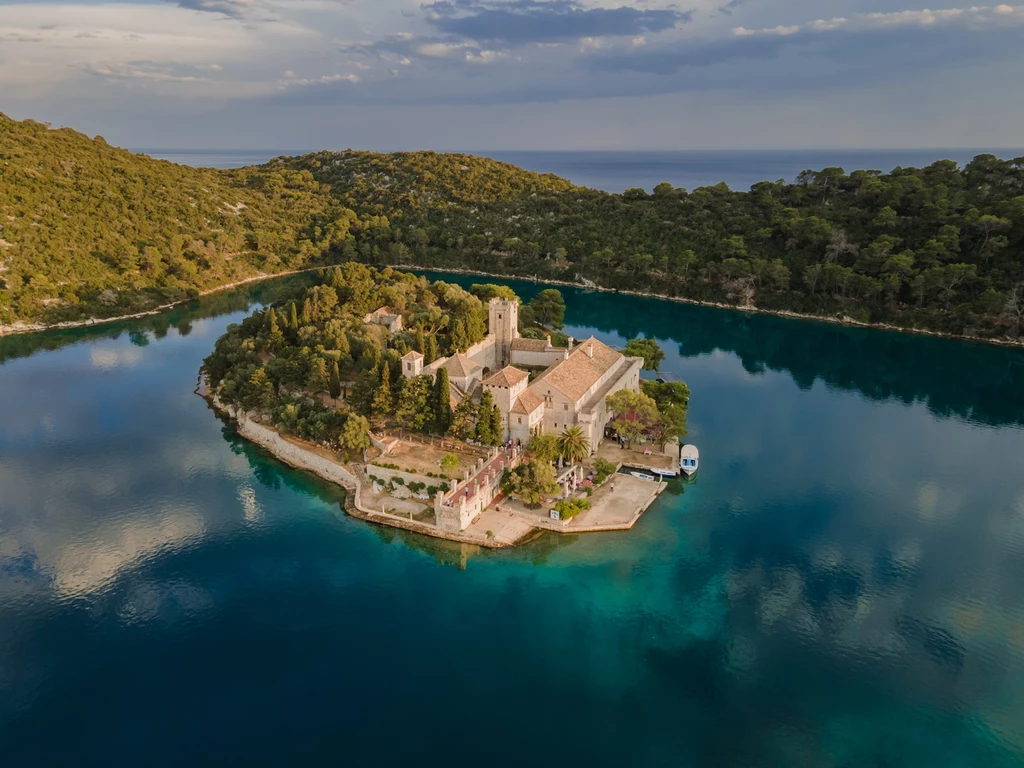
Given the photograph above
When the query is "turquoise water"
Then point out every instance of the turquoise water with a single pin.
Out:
(843, 585)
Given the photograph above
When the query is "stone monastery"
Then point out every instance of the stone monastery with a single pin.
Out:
(570, 391)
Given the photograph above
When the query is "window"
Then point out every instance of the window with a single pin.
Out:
(520, 419)
(565, 406)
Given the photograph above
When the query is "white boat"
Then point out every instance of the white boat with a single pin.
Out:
(688, 459)
(664, 472)
(643, 476)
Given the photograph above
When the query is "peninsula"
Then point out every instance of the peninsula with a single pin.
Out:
(465, 415)
(936, 249)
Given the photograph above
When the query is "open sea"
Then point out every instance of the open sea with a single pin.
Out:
(621, 170)
(841, 586)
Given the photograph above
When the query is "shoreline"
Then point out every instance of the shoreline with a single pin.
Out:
(292, 453)
(784, 313)
(17, 328)
(12, 330)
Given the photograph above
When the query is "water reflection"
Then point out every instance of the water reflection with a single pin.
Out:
(842, 585)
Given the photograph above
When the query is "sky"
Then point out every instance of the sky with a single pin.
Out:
(518, 74)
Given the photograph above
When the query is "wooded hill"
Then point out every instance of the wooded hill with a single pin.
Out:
(93, 230)
(89, 229)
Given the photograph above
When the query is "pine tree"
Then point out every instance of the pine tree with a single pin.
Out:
(421, 341)
(381, 405)
(413, 411)
(463, 420)
(484, 425)
(319, 377)
(431, 354)
(442, 401)
(334, 388)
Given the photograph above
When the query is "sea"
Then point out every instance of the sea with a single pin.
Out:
(621, 170)
(840, 585)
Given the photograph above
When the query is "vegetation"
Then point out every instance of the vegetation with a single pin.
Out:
(288, 363)
(602, 469)
(937, 247)
(88, 229)
(569, 508)
(648, 349)
(573, 445)
(657, 413)
(532, 481)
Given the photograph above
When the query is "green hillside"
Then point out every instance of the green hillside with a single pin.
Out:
(89, 229)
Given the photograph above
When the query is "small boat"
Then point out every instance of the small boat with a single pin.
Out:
(665, 472)
(688, 458)
(643, 476)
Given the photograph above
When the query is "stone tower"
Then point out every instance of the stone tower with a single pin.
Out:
(412, 365)
(504, 327)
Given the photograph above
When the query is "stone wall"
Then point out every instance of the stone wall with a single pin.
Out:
(295, 455)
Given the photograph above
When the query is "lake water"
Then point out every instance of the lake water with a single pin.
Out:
(618, 171)
(843, 585)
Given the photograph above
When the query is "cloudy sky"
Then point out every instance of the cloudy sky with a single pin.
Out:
(518, 74)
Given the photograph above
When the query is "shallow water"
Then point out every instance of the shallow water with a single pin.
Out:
(843, 585)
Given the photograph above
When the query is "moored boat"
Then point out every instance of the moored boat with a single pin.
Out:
(643, 475)
(689, 458)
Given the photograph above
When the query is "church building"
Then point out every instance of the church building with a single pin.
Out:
(571, 390)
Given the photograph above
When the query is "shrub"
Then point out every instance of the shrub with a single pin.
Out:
(569, 508)
(603, 468)
(398, 480)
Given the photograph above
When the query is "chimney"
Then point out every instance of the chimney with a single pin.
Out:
(571, 342)
(590, 350)
(549, 341)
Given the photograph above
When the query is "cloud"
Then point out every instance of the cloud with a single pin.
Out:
(534, 21)
(237, 9)
(969, 17)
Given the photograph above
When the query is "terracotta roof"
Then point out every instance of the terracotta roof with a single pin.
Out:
(587, 363)
(378, 313)
(414, 355)
(508, 376)
(527, 403)
(530, 345)
(460, 366)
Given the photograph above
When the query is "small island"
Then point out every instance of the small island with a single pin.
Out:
(465, 415)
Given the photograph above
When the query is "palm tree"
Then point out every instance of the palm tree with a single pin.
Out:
(573, 445)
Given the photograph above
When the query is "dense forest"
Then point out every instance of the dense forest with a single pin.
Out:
(90, 230)
(940, 248)
(313, 367)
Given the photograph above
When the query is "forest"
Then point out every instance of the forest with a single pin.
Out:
(938, 248)
(90, 230)
(312, 366)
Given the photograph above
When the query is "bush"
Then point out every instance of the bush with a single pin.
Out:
(603, 468)
(398, 480)
(569, 508)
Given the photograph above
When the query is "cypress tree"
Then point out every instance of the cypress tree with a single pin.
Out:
(421, 342)
(307, 311)
(431, 353)
(497, 426)
(484, 426)
(334, 389)
(442, 402)
(381, 404)
(293, 321)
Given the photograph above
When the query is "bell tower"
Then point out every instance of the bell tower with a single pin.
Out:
(504, 327)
